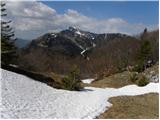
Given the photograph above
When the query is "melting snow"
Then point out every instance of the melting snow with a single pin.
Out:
(23, 97)
(83, 52)
(88, 81)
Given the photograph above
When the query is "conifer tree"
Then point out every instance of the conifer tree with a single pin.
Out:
(72, 80)
(8, 49)
(145, 52)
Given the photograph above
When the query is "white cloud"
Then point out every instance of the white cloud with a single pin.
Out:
(31, 19)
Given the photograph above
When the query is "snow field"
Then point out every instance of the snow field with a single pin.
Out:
(23, 97)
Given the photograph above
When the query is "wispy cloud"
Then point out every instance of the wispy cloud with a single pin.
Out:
(31, 19)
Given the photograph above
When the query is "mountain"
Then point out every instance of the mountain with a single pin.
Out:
(93, 53)
(72, 41)
(20, 43)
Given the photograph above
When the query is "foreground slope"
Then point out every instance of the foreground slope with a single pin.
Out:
(23, 97)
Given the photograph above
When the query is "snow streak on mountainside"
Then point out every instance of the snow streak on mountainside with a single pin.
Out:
(23, 97)
(83, 36)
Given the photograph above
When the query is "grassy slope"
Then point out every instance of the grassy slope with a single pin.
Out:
(116, 81)
(121, 79)
(142, 106)
(133, 107)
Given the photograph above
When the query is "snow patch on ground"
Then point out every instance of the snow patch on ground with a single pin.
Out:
(88, 81)
(23, 97)
(153, 78)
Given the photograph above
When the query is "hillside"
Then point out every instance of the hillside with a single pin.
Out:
(123, 78)
(59, 52)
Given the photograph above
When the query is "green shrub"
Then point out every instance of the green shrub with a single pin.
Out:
(134, 77)
(72, 80)
(142, 80)
(139, 79)
(139, 67)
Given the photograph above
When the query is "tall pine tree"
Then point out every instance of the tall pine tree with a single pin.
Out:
(8, 49)
(145, 52)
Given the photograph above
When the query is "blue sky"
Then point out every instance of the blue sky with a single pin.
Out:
(134, 12)
(35, 18)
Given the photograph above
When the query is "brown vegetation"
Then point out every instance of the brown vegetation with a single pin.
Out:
(110, 58)
(114, 81)
(133, 107)
(106, 58)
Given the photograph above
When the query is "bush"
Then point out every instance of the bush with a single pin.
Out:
(134, 77)
(139, 79)
(139, 67)
(142, 80)
(72, 80)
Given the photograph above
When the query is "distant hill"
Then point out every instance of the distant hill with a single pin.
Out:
(20, 43)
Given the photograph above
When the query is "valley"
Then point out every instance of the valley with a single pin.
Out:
(79, 60)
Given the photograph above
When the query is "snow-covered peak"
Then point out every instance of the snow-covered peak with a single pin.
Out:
(76, 31)
(80, 33)
(72, 28)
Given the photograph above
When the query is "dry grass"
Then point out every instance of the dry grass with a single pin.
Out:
(133, 107)
(56, 77)
(115, 81)
(122, 79)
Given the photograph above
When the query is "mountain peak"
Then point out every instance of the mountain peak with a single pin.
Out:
(76, 31)
(71, 28)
